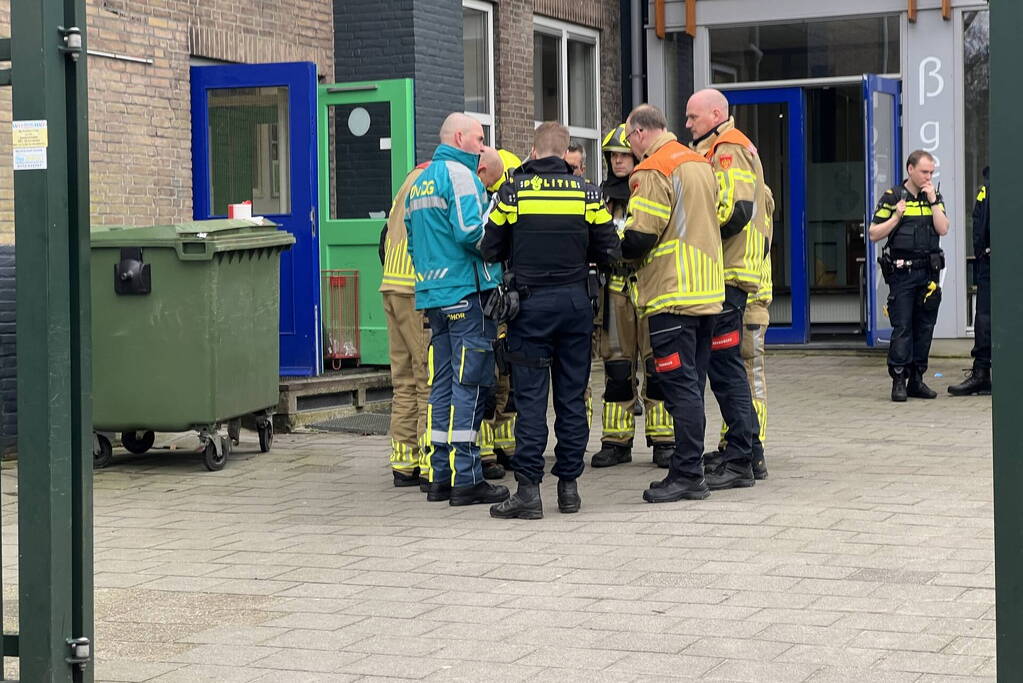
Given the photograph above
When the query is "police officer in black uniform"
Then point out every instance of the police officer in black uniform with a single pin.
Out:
(978, 380)
(550, 225)
(912, 217)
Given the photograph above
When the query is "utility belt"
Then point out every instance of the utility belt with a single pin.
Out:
(932, 261)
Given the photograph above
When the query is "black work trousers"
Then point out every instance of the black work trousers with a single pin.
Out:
(550, 341)
(912, 319)
(982, 321)
(681, 353)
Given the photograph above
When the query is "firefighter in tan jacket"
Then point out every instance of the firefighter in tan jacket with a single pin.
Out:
(678, 286)
(741, 203)
(408, 337)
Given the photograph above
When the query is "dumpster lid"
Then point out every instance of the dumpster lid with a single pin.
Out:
(196, 240)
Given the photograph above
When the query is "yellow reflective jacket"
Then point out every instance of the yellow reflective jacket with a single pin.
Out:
(674, 195)
(399, 275)
(740, 178)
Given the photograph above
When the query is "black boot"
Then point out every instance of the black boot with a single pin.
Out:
(492, 470)
(662, 454)
(899, 386)
(734, 474)
(525, 504)
(611, 454)
(978, 381)
(759, 466)
(916, 387)
(682, 488)
(712, 459)
(439, 491)
(568, 496)
(483, 492)
(401, 479)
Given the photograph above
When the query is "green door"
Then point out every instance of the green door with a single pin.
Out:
(366, 148)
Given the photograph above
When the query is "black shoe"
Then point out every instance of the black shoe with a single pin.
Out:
(917, 389)
(401, 480)
(978, 381)
(899, 388)
(482, 492)
(662, 454)
(671, 490)
(491, 470)
(439, 491)
(611, 454)
(525, 504)
(568, 496)
(637, 409)
(759, 467)
(424, 484)
(711, 460)
(733, 474)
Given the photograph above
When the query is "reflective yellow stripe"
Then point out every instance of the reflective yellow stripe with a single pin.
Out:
(599, 215)
(982, 195)
(641, 205)
(461, 366)
(554, 194)
(883, 214)
(537, 207)
(726, 196)
(429, 370)
(398, 263)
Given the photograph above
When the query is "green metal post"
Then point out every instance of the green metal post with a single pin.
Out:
(53, 337)
(1007, 329)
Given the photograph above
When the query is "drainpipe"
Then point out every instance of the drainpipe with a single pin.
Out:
(636, 24)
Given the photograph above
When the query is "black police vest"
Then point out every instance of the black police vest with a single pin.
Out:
(551, 235)
(915, 232)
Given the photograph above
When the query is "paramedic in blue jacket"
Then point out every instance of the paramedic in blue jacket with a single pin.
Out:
(445, 213)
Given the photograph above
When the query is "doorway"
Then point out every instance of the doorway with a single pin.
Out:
(814, 148)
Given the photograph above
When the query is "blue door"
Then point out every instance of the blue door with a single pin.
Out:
(254, 139)
(774, 119)
(884, 161)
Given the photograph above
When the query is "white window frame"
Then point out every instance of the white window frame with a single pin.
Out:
(565, 31)
(486, 119)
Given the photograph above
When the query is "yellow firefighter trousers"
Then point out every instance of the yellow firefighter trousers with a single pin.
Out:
(409, 340)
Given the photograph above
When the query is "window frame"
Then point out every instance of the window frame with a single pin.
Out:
(486, 120)
(564, 32)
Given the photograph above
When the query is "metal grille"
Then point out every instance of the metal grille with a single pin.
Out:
(366, 423)
(340, 301)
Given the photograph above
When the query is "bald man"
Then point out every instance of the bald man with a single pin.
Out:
(444, 216)
(740, 207)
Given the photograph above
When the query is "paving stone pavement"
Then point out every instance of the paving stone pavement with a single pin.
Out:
(866, 556)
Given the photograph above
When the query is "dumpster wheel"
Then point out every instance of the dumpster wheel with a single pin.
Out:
(136, 444)
(102, 451)
(266, 435)
(215, 458)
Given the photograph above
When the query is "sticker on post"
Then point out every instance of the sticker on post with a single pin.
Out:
(30, 159)
(29, 134)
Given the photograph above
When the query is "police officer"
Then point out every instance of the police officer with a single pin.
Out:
(633, 337)
(978, 380)
(912, 217)
(740, 178)
(408, 337)
(549, 225)
(673, 235)
(444, 220)
(497, 433)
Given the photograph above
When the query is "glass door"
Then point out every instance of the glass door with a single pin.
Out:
(366, 148)
(253, 139)
(882, 132)
(774, 119)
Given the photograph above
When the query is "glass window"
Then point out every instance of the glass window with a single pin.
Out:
(566, 84)
(546, 77)
(976, 88)
(809, 49)
(360, 160)
(249, 155)
(478, 54)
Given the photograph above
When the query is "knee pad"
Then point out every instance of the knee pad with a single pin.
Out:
(620, 381)
(654, 389)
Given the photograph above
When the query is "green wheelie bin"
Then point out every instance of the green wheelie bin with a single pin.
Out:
(185, 332)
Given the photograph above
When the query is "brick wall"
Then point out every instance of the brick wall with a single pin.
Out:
(140, 123)
(513, 21)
